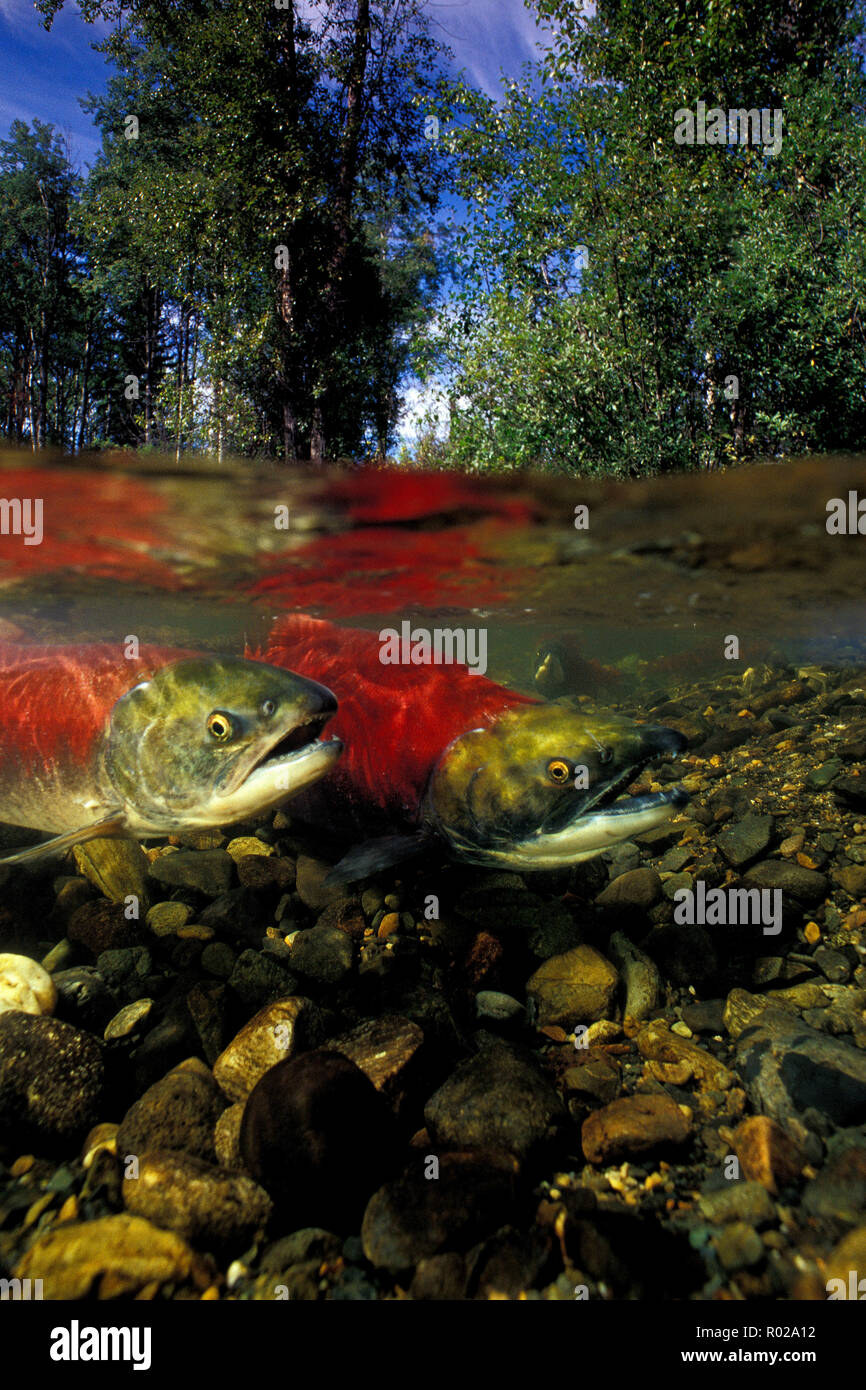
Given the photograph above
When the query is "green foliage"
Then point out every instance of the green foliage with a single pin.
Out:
(719, 311)
(259, 135)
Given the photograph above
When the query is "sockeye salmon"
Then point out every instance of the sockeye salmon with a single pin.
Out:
(438, 752)
(93, 744)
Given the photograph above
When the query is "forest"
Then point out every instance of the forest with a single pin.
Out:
(646, 253)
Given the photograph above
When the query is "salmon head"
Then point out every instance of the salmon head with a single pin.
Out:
(540, 787)
(209, 741)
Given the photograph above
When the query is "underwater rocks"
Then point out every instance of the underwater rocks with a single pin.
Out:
(791, 879)
(323, 954)
(638, 888)
(271, 1037)
(576, 987)
(767, 1153)
(102, 926)
(635, 1125)
(497, 1099)
(540, 1082)
(640, 975)
(389, 1051)
(746, 840)
(198, 1201)
(117, 868)
(112, 1256)
(178, 1112)
(25, 986)
(51, 1078)
(318, 1137)
(792, 1072)
(439, 1202)
(209, 871)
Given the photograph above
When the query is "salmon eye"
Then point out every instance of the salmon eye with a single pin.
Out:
(269, 707)
(605, 755)
(219, 725)
(558, 771)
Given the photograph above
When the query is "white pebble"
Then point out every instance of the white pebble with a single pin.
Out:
(25, 986)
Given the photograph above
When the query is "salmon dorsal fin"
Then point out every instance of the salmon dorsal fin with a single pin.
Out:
(112, 824)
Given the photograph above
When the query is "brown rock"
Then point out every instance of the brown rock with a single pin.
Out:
(483, 961)
(412, 1218)
(51, 1079)
(227, 1137)
(197, 1200)
(257, 871)
(179, 1112)
(767, 1153)
(853, 880)
(117, 867)
(593, 1074)
(849, 1254)
(386, 1050)
(741, 1010)
(275, 1033)
(311, 887)
(575, 987)
(319, 1138)
(116, 1255)
(100, 926)
(347, 916)
(658, 1043)
(638, 888)
(634, 1125)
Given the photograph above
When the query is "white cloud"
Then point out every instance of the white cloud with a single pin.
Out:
(486, 37)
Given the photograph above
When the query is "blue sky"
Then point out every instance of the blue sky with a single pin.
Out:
(44, 74)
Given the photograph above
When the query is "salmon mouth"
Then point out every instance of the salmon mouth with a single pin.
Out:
(297, 741)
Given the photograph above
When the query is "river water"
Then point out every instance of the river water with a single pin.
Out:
(651, 578)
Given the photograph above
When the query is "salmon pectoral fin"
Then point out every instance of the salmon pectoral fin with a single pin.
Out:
(374, 855)
(111, 825)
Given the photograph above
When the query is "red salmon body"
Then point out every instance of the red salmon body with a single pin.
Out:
(94, 744)
(55, 700)
(394, 720)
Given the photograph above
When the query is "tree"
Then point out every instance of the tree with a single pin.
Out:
(286, 212)
(38, 300)
(634, 304)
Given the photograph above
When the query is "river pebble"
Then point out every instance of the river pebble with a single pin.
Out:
(113, 1257)
(318, 1136)
(634, 1125)
(497, 1099)
(51, 1077)
(577, 987)
(177, 1112)
(414, 1216)
(25, 986)
(198, 1201)
(274, 1034)
(209, 871)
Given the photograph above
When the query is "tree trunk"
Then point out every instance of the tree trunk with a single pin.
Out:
(31, 399)
(347, 176)
(150, 355)
(85, 389)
